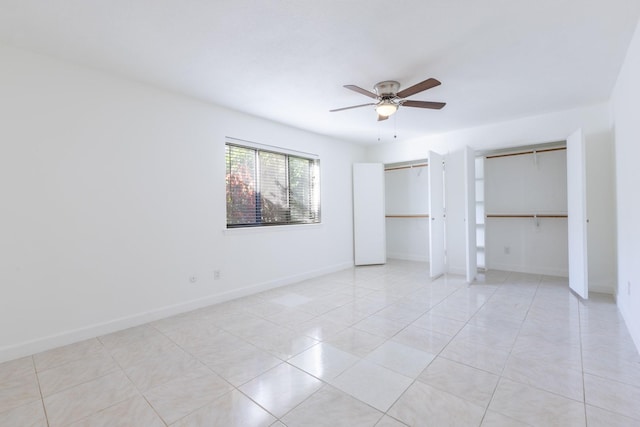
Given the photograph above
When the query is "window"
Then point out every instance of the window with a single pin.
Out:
(267, 187)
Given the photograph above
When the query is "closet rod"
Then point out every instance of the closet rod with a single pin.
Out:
(421, 165)
(526, 216)
(525, 152)
(407, 216)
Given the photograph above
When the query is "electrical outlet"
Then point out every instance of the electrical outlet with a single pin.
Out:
(216, 274)
(193, 279)
(507, 250)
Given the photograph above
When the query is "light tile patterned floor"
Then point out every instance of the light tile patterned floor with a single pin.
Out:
(369, 346)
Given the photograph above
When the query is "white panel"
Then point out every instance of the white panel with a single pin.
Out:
(455, 202)
(470, 214)
(368, 214)
(601, 211)
(436, 215)
(577, 212)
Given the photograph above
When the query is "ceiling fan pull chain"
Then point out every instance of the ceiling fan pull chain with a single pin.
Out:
(395, 127)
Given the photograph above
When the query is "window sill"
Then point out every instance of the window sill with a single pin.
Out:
(270, 228)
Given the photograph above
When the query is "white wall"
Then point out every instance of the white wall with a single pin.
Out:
(551, 127)
(113, 196)
(407, 193)
(527, 184)
(627, 153)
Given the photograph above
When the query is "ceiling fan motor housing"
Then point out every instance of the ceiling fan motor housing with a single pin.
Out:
(387, 89)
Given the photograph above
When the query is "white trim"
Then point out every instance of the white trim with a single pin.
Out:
(530, 270)
(271, 148)
(407, 257)
(271, 228)
(28, 348)
(601, 287)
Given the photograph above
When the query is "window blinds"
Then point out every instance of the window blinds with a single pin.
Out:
(266, 187)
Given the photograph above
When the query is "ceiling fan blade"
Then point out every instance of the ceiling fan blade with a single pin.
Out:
(424, 104)
(362, 91)
(427, 84)
(349, 108)
(381, 118)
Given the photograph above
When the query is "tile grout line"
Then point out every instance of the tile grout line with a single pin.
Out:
(500, 376)
(584, 390)
(384, 413)
(486, 409)
(61, 390)
(140, 393)
(441, 350)
(44, 408)
(536, 387)
(235, 388)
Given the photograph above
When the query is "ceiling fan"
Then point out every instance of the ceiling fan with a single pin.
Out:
(388, 99)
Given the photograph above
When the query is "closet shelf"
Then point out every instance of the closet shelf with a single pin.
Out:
(408, 216)
(526, 215)
(525, 152)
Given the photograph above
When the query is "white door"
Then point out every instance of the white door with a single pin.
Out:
(470, 213)
(436, 215)
(369, 238)
(577, 214)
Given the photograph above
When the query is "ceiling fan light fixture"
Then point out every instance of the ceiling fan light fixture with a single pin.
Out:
(386, 108)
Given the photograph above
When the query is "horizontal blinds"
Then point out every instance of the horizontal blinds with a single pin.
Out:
(304, 194)
(274, 197)
(270, 188)
(242, 185)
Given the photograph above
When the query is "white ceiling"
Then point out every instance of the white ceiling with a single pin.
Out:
(287, 60)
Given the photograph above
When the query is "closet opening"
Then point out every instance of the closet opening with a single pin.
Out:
(407, 210)
(521, 209)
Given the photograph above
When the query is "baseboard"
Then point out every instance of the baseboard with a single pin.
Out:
(407, 257)
(602, 287)
(527, 270)
(28, 348)
(456, 271)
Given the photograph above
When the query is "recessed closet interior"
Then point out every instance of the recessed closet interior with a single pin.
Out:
(406, 210)
(522, 210)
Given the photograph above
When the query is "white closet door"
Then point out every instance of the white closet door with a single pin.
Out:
(369, 236)
(470, 213)
(436, 216)
(577, 214)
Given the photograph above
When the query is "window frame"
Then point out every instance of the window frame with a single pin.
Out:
(314, 203)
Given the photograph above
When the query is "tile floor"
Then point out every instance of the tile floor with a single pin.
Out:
(370, 346)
